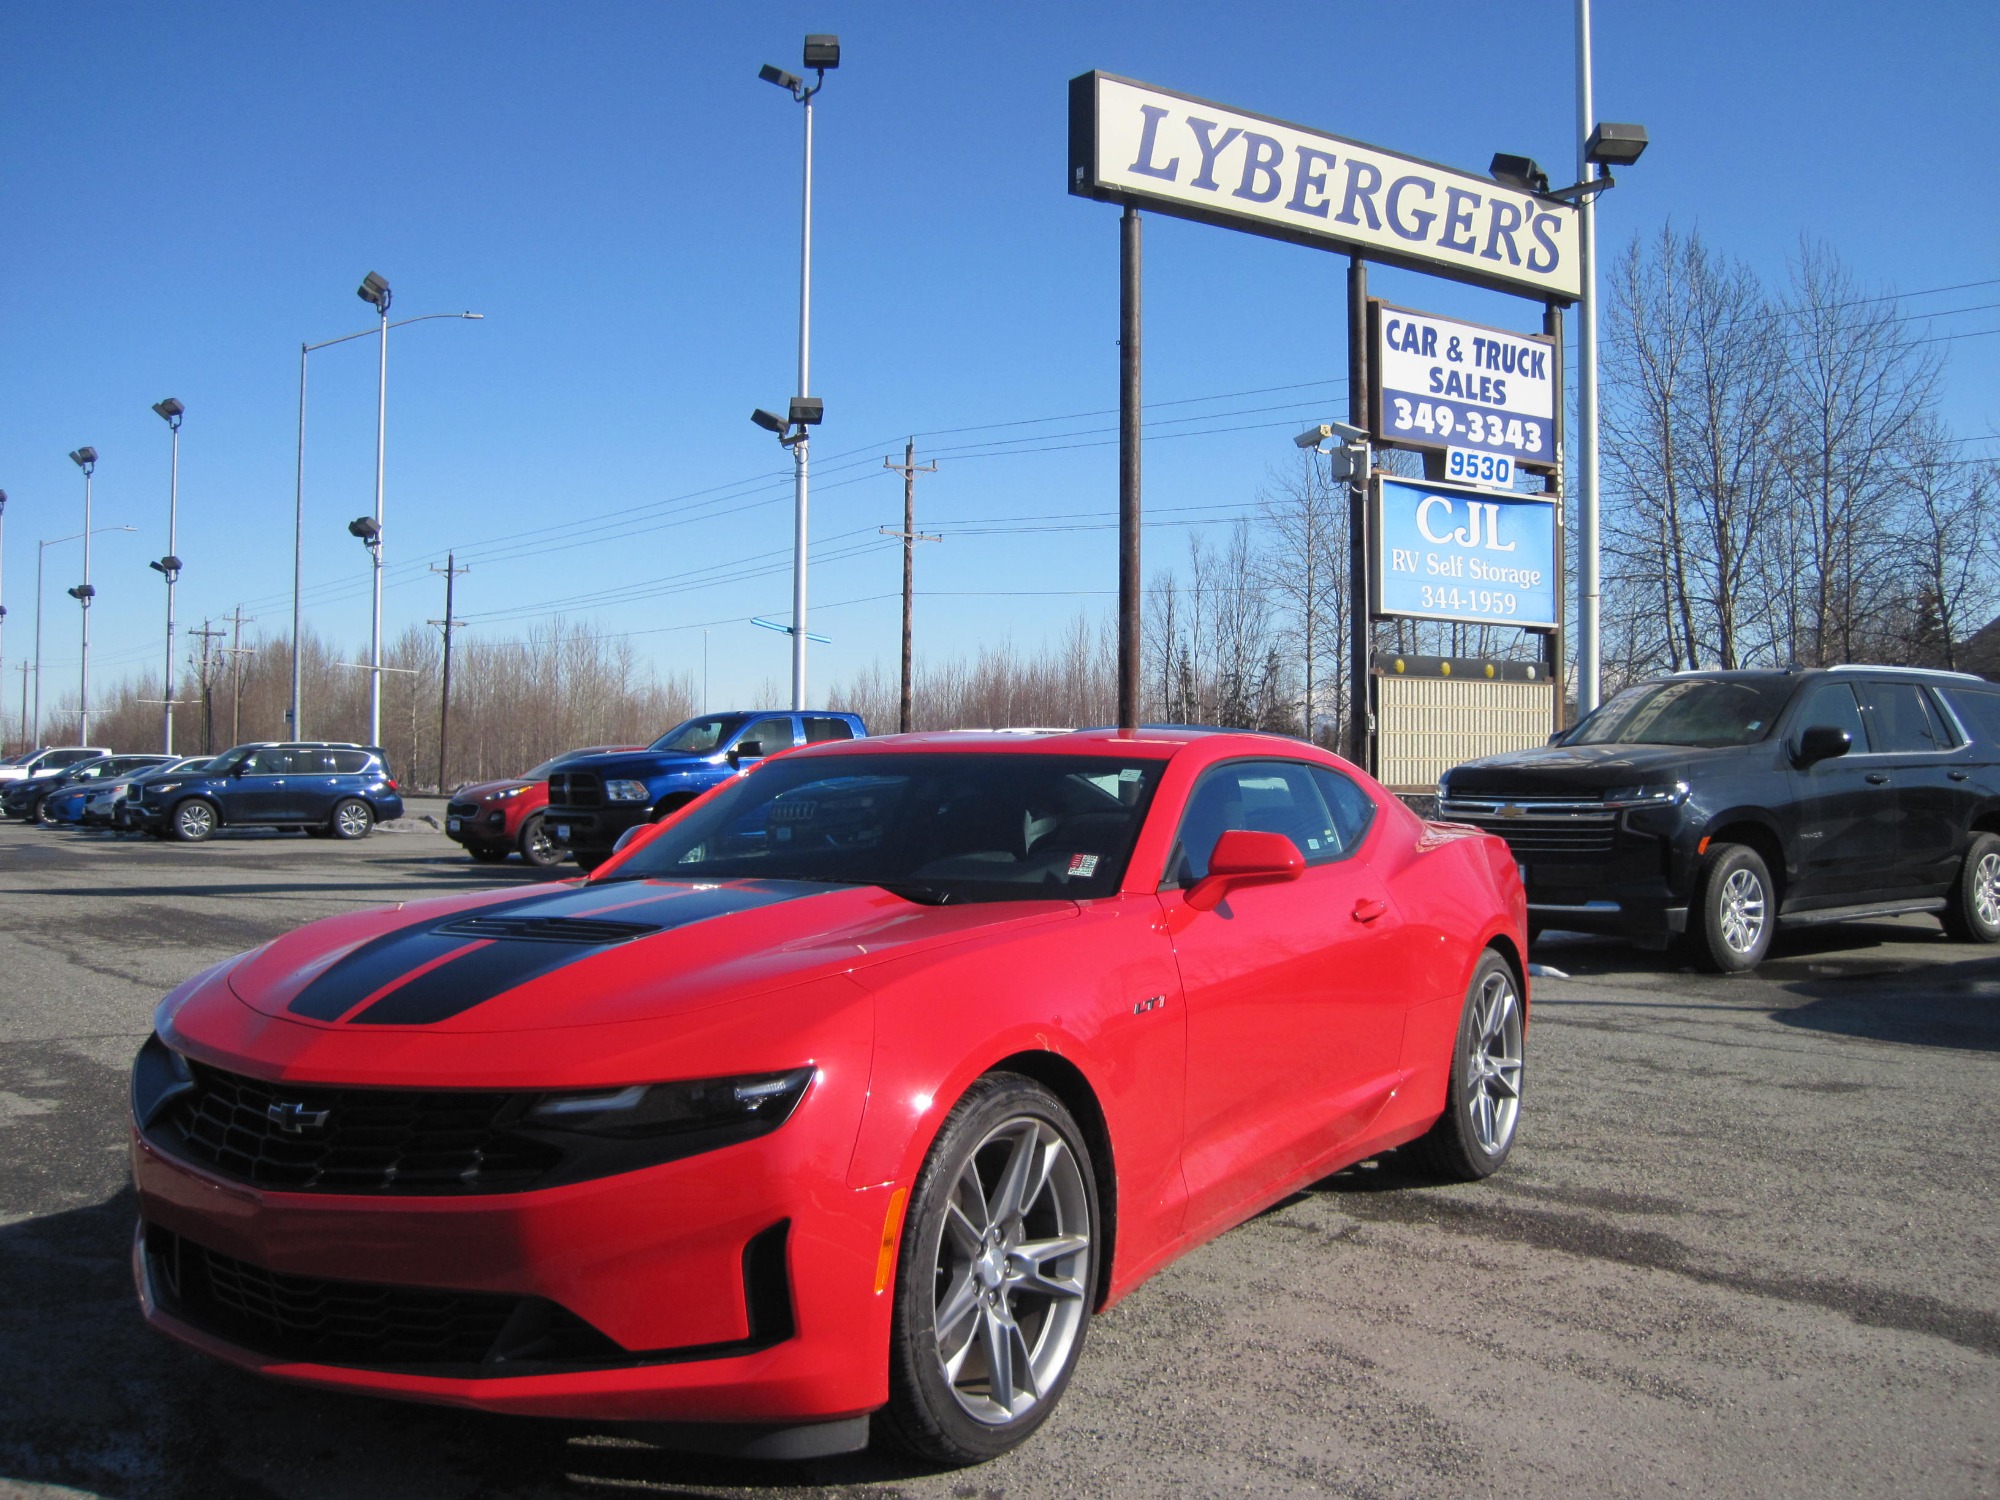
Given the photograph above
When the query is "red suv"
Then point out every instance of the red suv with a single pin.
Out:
(494, 819)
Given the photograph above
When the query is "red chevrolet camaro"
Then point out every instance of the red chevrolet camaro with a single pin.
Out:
(850, 1093)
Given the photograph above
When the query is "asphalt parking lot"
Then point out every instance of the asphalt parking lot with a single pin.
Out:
(1749, 1243)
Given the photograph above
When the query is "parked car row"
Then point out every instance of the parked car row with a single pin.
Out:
(329, 789)
(1713, 808)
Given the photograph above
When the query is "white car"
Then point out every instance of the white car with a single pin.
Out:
(20, 767)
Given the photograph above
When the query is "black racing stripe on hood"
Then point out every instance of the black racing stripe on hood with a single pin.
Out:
(479, 971)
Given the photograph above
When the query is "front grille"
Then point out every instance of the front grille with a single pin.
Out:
(1538, 828)
(350, 1140)
(461, 809)
(575, 789)
(361, 1323)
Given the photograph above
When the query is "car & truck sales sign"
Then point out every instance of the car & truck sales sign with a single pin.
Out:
(1440, 383)
(1155, 149)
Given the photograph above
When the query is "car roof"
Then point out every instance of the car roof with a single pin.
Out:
(1148, 742)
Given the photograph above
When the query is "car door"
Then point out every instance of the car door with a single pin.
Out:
(320, 778)
(1915, 741)
(263, 793)
(1294, 1006)
(769, 735)
(1847, 838)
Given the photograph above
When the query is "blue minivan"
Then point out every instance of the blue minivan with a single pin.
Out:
(328, 789)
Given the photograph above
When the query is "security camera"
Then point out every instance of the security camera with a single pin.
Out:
(1312, 437)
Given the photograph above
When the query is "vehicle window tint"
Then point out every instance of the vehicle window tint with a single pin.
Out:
(68, 758)
(1353, 810)
(269, 763)
(1260, 796)
(1950, 735)
(1980, 711)
(774, 734)
(820, 728)
(1899, 722)
(346, 762)
(1833, 704)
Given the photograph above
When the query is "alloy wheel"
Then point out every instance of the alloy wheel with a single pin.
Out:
(1740, 909)
(1011, 1259)
(352, 819)
(1496, 1062)
(195, 820)
(1986, 888)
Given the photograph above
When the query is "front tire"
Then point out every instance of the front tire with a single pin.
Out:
(351, 819)
(194, 821)
(1972, 913)
(1735, 910)
(488, 854)
(1482, 1110)
(538, 846)
(996, 1275)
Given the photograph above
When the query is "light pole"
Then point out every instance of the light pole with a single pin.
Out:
(41, 554)
(169, 567)
(86, 460)
(821, 52)
(299, 495)
(374, 289)
(3, 610)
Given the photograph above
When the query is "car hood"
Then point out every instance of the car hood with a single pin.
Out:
(593, 955)
(480, 791)
(640, 764)
(1587, 770)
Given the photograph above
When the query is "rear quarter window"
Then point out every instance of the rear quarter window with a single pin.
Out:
(346, 762)
(819, 728)
(1979, 711)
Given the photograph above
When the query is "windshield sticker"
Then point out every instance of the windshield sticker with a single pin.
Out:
(1083, 865)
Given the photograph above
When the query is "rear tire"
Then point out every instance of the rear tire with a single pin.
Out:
(1735, 910)
(1482, 1110)
(538, 846)
(351, 819)
(194, 821)
(1972, 912)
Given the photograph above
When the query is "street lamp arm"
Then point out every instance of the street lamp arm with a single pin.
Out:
(78, 536)
(368, 333)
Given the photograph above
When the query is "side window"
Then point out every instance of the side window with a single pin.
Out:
(269, 763)
(346, 762)
(1950, 735)
(1833, 704)
(1261, 796)
(1353, 810)
(774, 734)
(820, 728)
(1899, 722)
(1980, 711)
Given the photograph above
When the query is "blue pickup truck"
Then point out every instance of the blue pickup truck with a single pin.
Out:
(594, 799)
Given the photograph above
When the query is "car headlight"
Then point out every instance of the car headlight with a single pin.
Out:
(625, 791)
(607, 1131)
(512, 791)
(1658, 795)
(161, 787)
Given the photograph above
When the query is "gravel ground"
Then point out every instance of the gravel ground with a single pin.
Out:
(1747, 1244)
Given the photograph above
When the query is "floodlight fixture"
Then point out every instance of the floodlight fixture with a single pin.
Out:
(83, 593)
(169, 565)
(807, 411)
(171, 411)
(1522, 173)
(768, 421)
(374, 289)
(822, 51)
(365, 528)
(3, 502)
(781, 78)
(1615, 145)
(84, 458)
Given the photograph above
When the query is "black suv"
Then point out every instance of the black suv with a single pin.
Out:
(1723, 805)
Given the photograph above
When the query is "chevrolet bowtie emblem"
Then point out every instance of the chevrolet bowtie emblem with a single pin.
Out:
(1513, 810)
(294, 1118)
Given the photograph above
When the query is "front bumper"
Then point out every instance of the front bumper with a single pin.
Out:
(594, 830)
(480, 824)
(1621, 873)
(672, 1268)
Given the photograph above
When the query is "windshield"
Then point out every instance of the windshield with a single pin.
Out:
(1702, 712)
(699, 736)
(932, 828)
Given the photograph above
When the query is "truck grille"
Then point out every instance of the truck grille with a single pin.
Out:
(1538, 828)
(360, 1323)
(333, 1140)
(575, 789)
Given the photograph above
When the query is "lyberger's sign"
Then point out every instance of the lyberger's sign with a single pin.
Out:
(1133, 143)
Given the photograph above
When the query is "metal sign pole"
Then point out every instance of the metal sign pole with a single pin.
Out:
(1556, 643)
(1128, 469)
(1359, 713)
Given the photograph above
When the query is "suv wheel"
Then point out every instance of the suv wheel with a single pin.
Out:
(194, 820)
(1972, 912)
(352, 819)
(1735, 910)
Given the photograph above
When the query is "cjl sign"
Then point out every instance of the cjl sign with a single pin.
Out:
(1443, 552)
(1441, 383)
(1175, 154)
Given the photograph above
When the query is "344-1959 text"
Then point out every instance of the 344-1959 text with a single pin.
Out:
(1469, 601)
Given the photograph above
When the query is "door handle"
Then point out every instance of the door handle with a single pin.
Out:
(1877, 778)
(1367, 909)
(1957, 775)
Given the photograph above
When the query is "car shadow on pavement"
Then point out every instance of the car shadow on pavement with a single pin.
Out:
(92, 1399)
(1925, 1005)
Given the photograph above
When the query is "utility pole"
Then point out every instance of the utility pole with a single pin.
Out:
(909, 469)
(237, 651)
(444, 700)
(207, 698)
(24, 668)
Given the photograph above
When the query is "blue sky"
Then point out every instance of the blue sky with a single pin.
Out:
(195, 190)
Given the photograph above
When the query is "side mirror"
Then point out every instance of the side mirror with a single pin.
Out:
(747, 750)
(628, 835)
(1245, 858)
(241, 768)
(1822, 742)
